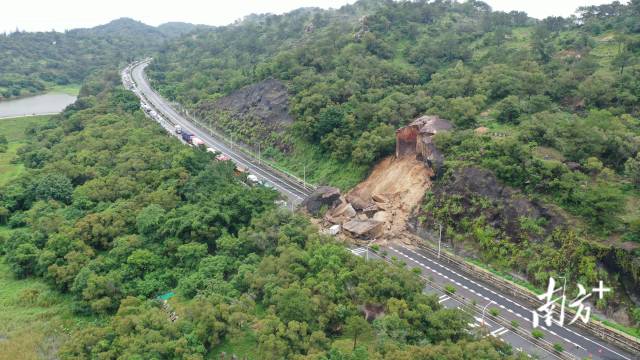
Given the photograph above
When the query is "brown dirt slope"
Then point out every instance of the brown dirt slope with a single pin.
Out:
(401, 184)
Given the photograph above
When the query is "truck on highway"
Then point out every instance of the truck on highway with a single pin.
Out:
(186, 136)
(196, 141)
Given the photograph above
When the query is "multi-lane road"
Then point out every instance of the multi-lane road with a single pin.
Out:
(575, 342)
(291, 188)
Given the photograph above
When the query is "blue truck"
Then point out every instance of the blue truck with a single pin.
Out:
(186, 136)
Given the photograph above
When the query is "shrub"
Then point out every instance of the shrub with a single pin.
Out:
(558, 347)
(537, 334)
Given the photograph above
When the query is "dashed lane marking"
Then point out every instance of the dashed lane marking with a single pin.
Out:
(499, 332)
(511, 301)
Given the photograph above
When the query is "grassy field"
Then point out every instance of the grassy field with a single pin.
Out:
(241, 345)
(34, 320)
(71, 89)
(14, 129)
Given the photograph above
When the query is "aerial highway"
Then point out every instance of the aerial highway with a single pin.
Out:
(291, 188)
(575, 342)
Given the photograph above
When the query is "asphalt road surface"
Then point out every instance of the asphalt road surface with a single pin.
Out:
(573, 341)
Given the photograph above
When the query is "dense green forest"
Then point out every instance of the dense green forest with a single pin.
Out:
(112, 213)
(558, 98)
(32, 62)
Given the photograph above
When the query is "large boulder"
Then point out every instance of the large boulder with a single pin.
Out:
(344, 209)
(357, 202)
(324, 196)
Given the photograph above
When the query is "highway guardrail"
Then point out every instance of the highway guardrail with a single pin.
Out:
(597, 329)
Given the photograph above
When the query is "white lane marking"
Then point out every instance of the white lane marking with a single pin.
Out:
(480, 322)
(443, 299)
(464, 277)
(358, 251)
(499, 332)
(515, 303)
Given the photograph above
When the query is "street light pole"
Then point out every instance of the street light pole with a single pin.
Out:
(485, 308)
(439, 241)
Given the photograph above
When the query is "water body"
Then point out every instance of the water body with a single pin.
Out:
(49, 103)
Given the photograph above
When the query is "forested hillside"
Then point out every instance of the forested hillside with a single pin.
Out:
(555, 101)
(112, 213)
(32, 62)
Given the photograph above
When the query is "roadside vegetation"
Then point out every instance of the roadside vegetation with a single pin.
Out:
(110, 213)
(555, 103)
(12, 137)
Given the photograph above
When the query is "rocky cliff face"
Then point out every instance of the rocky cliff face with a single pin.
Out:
(504, 208)
(266, 101)
(468, 196)
(258, 112)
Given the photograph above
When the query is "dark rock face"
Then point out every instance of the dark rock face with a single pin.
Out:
(507, 206)
(476, 192)
(257, 113)
(267, 101)
(323, 196)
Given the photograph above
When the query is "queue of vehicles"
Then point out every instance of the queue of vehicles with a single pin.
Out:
(190, 138)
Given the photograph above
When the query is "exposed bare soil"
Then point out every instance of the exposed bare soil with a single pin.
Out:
(397, 187)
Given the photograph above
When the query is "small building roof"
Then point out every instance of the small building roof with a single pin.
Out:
(435, 126)
(431, 124)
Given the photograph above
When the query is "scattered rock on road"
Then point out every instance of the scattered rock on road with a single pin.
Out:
(324, 196)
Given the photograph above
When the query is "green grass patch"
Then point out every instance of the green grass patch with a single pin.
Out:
(70, 89)
(5, 231)
(243, 344)
(520, 38)
(9, 171)
(320, 168)
(506, 276)
(635, 332)
(34, 320)
(345, 343)
(14, 130)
